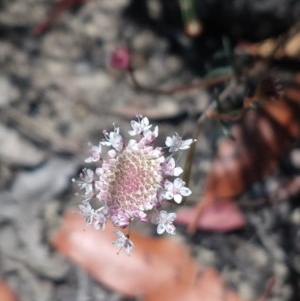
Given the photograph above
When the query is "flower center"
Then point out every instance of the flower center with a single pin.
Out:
(132, 180)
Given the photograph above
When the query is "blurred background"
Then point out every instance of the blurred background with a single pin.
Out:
(58, 92)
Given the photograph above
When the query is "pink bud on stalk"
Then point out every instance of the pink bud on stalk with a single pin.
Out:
(119, 59)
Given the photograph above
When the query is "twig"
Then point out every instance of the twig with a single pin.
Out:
(201, 84)
(211, 107)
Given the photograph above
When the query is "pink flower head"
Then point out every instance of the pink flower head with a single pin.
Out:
(132, 181)
(119, 59)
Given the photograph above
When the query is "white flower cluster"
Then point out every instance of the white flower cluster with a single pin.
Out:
(133, 181)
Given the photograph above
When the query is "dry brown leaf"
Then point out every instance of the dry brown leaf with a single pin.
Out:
(207, 287)
(263, 49)
(292, 48)
(261, 138)
(220, 217)
(158, 269)
(6, 293)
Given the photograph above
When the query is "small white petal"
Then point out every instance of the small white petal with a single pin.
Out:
(118, 243)
(178, 183)
(185, 191)
(145, 122)
(186, 144)
(170, 229)
(169, 142)
(168, 185)
(160, 229)
(177, 171)
(163, 214)
(171, 216)
(178, 198)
